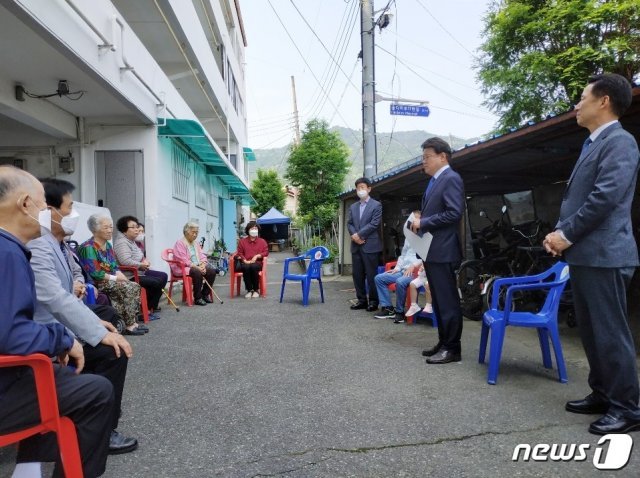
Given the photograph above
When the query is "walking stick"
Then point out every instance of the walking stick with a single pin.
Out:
(170, 301)
(212, 289)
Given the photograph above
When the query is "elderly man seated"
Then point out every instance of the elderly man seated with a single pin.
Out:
(401, 275)
(59, 282)
(188, 251)
(99, 262)
(86, 399)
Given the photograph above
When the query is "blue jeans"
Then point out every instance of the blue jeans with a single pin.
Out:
(384, 296)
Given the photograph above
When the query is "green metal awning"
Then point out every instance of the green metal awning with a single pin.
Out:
(249, 155)
(195, 139)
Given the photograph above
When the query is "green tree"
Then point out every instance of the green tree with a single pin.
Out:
(318, 166)
(538, 54)
(268, 191)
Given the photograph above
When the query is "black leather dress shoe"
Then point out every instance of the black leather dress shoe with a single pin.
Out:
(207, 299)
(118, 443)
(614, 423)
(372, 307)
(588, 405)
(132, 332)
(444, 356)
(432, 351)
(200, 302)
(358, 306)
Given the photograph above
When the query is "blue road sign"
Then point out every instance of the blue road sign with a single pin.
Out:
(409, 110)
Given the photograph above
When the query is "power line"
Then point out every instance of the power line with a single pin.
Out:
(444, 29)
(317, 94)
(460, 100)
(279, 124)
(305, 61)
(429, 71)
(321, 42)
(346, 85)
(347, 40)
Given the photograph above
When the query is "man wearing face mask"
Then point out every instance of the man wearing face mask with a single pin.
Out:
(365, 217)
(59, 289)
(86, 399)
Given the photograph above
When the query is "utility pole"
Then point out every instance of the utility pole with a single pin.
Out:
(295, 110)
(368, 90)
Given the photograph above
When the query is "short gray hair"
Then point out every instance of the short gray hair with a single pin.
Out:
(190, 225)
(93, 223)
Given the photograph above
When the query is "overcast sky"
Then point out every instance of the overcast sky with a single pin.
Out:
(426, 53)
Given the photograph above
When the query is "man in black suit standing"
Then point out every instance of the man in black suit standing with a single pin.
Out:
(364, 221)
(594, 233)
(442, 209)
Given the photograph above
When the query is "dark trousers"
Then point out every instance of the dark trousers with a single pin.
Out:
(600, 301)
(446, 303)
(199, 287)
(153, 282)
(85, 399)
(250, 275)
(102, 360)
(365, 267)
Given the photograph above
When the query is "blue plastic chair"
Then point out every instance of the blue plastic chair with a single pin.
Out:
(545, 320)
(316, 255)
(424, 315)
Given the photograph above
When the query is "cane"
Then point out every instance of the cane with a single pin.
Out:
(170, 301)
(212, 290)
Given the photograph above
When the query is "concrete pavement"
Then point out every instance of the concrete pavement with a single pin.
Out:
(257, 388)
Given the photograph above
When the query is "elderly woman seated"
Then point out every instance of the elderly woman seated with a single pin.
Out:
(251, 252)
(129, 253)
(99, 262)
(189, 252)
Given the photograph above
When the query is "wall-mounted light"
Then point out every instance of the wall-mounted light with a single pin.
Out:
(63, 90)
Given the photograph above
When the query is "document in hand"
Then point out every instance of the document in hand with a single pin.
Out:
(420, 244)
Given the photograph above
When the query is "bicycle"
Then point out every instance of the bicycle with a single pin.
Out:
(520, 256)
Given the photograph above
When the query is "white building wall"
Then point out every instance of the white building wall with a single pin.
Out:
(164, 215)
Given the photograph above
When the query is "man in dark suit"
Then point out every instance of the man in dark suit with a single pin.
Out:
(442, 209)
(594, 234)
(364, 221)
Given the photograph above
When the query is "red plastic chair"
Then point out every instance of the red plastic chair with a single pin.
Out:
(187, 284)
(412, 318)
(234, 280)
(143, 293)
(50, 419)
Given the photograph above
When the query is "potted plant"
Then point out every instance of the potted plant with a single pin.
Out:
(328, 268)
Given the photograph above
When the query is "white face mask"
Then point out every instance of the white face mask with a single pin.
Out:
(362, 193)
(44, 219)
(69, 223)
(253, 232)
(140, 237)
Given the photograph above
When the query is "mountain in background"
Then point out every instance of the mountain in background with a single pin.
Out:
(393, 149)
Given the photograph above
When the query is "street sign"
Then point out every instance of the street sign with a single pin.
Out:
(409, 110)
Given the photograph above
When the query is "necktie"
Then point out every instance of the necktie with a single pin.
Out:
(585, 146)
(429, 188)
(64, 254)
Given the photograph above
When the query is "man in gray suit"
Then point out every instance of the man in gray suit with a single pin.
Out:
(59, 286)
(364, 221)
(594, 234)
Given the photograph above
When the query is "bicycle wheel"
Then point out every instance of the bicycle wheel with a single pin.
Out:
(501, 297)
(469, 280)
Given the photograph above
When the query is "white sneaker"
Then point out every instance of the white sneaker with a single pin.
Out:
(428, 308)
(413, 310)
(248, 295)
(255, 295)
